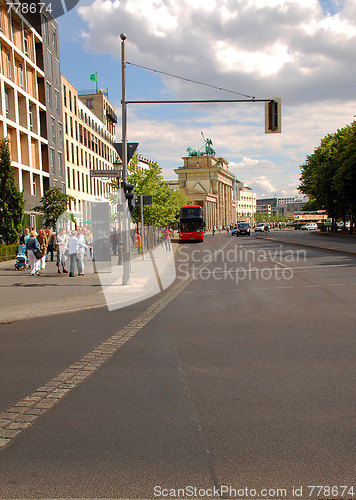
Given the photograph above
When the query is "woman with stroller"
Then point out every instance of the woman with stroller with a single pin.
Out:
(31, 246)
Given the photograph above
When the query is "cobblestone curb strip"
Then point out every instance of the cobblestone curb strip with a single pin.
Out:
(23, 414)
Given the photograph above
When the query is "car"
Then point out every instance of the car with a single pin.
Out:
(261, 227)
(233, 231)
(311, 226)
(243, 228)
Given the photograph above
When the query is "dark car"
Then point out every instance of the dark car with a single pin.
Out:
(243, 228)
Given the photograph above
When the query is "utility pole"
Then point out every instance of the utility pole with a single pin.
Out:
(126, 225)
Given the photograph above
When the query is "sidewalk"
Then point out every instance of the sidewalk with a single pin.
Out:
(24, 296)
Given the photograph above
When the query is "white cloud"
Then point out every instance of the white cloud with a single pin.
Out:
(301, 50)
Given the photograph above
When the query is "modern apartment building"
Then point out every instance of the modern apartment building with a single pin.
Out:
(30, 112)
(89, 124)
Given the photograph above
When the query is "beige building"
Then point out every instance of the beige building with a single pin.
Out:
(30, 110)
(245, 200)
(207, 181)
(89, 133)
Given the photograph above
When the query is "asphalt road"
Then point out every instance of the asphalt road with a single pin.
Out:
(244, 378)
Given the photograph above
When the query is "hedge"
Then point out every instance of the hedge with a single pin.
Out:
(8, 252)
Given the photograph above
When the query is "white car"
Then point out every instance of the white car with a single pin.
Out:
(261, 227)
(311, 226)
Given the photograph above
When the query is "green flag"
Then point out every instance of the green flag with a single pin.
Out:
(94, 77)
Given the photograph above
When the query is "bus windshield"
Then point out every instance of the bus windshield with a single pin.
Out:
(188, 227)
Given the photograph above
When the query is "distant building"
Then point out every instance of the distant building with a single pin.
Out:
(89, 133)
(207, 181)
(284, 206)
(245, 201)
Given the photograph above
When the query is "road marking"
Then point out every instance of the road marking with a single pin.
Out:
(21, 415)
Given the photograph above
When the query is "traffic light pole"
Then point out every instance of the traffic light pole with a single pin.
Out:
(126, 225)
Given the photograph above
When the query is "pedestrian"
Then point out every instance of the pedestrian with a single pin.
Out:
(113, 240)
(62, 247)
(213, 230)
(32, 246)
(138, 243)
(25, 236)
(42, 238)
(51, 243)
(73, 247)
(167, 238)
(83, 246)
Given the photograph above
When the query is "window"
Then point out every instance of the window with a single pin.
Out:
(6, 102)
(9, 66)
(90, 102)
(60, 128)
(21, 75)
(51, 160)
(49, 64)
(60, 164)
(25, 42)
(30, 117)
(54, 40)
(68, 176)
(49, 95)
(33, 185)
(53, 129)
(56, 100)
(45, 29)
(64, 95)
(75, 105)
(70, 99)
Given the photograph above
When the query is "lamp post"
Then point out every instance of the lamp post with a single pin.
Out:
(126, 239)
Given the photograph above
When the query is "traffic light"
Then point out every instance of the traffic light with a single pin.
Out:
(273, 116)
(129, 195)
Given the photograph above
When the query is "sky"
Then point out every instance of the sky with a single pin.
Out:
(300, 50)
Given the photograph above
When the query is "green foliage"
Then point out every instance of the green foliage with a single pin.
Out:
(260, 217)
(329, 174)
(11, 199)
(8, 252)
(53, 204)
(166, 202)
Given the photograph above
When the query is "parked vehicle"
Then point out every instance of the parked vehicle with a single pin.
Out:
(311, 226)
(243, 228)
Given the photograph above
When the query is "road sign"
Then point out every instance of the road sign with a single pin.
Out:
(105, 173)
(147, 200)
(131, 148)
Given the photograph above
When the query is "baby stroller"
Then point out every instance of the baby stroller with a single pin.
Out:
(21, 259)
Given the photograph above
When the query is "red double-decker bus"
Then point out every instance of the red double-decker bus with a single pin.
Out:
(191, 223)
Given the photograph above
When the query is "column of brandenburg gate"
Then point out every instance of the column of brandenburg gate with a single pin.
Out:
(207, 181)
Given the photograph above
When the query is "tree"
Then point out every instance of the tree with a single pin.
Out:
(328, 175)
(166, 202)
(53, 204)
(11, 199)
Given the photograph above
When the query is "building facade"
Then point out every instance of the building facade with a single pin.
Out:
(89, 134)
(245, 200)
(207, 181)
(29, 69)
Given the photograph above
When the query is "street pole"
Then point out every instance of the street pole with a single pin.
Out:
(142, 229)
(126, 228)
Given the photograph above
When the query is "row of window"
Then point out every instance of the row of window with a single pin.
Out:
(85, 137)
(78, 181)
(82, 158)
